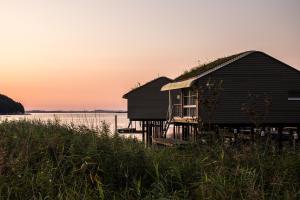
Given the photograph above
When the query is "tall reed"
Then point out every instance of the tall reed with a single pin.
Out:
(41, 160)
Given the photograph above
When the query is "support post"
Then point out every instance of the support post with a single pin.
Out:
(296, 137)
(279, 139)
(143, 132)
(183, 132)
(159, 129)
(170, 107)
(291, 137)
(174, 130)
(130, 123)
(147, 133)
(235, 135)
(252, 135)
(150, 133)
(116, 124)
(195, 133)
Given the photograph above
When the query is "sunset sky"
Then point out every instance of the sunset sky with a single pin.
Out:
(85, 54)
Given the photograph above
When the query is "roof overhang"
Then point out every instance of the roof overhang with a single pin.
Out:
(178, 85)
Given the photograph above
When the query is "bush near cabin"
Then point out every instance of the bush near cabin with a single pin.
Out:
(9, 106)
(52, 161)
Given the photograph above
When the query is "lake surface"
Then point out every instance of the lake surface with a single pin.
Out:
(91, 120)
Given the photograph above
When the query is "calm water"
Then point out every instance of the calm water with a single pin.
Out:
(91, 120)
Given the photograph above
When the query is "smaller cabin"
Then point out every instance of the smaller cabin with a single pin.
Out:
(148, 106)
(148, 102)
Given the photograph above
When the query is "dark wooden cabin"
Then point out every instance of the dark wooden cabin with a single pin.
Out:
(148, 102)
(148, 106)
(246, 89)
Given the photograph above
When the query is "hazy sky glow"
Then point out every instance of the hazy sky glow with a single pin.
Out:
(85, 54)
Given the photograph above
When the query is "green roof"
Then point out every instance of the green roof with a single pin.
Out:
(195, 71)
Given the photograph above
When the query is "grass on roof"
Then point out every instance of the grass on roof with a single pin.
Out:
(195, 71)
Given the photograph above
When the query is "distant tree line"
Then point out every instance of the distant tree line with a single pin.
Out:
(9, 106)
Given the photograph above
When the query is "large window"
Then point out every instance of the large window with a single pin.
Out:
(177, 104)
(189, 103)
(294, 95)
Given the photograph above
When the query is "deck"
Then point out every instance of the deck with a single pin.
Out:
(129, 131)
(185, 120)
(169, 142)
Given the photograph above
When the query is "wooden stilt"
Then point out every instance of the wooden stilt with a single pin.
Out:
(143, 132)
(160, 129)
(116, 124)
(252, 135)
(130, 123)
(235, 135)
(147, 133)
(183, 132)
(279, 139)
(291, 137)
(197, 129)
(296, 137)
(174, 131)
(150, 133)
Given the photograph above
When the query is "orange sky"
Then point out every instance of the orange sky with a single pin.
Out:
(85, 54)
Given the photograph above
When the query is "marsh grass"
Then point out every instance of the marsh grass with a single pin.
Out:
(41, 160)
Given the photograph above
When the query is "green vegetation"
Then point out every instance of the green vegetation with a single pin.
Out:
(9, 106)
(52, 161)
(195, 71)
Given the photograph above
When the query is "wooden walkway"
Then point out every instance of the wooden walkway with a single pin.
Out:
(129, 131)
(169, 142)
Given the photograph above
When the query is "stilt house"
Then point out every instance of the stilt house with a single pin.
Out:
(246, 89)
(148, 108)
(249, 89)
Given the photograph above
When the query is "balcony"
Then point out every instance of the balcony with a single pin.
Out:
(186, 111)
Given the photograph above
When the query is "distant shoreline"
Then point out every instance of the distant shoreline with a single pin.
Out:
(76, 111)
(3, 114)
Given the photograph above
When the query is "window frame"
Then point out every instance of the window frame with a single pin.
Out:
(189, 103)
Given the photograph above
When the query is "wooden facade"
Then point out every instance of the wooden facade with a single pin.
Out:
(251, 90)
(148, 106)
(256, 77)
(148, 102)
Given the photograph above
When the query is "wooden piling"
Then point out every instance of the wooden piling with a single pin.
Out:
(147, 133)
(279, 139)
(150, 133)
(252, 135)
(174, 131)
(143, 132)
(116, 124)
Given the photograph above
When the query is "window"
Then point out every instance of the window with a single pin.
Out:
(177, 107)
(189, 111)
(294, 95)
(189, 103)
